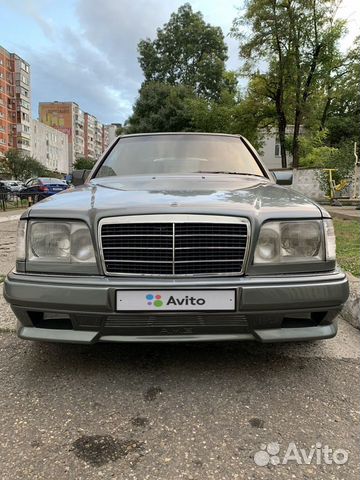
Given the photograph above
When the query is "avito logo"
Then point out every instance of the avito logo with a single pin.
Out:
(154, 300)
(157, 301)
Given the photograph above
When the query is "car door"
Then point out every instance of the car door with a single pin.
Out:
(31, 188)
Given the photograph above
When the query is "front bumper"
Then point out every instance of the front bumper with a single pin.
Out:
(269, 309)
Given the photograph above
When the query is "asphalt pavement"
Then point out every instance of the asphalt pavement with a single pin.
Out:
(196, 411)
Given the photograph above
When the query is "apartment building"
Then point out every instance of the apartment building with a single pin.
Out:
(85, 133)
(96, 137)
(50, 147)
(68, 118)
(100, 140)
(89, 135)
(105, 137)
(15, 102)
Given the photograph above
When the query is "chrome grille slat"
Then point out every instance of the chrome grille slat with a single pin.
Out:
(136, 248)
(133, 235)
(216, 235)
(208, 248)
(138, 261)
(216, 260)
(200, 245)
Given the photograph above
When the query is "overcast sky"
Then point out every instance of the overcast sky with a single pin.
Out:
(85, 50)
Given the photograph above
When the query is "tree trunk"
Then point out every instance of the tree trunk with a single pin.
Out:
(296, 144)
(325, 113)
(282, 139)
(301, 104)
(281, 124)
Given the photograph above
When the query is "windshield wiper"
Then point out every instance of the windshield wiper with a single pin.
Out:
(232, 173)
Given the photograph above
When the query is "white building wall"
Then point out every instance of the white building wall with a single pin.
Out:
(112, 132)
(270, 151)
(49, 147)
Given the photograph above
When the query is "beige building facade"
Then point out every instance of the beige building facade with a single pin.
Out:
(68, 118)
(85, 133)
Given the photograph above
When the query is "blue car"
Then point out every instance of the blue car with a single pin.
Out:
(42, 187)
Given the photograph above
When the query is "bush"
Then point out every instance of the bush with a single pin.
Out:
(315, 154)
(19, 166)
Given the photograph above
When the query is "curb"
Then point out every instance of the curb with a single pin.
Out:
(343, 214)
(351, 309)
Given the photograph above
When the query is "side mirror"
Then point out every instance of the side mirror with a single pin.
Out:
(283, 178)
(79, 177)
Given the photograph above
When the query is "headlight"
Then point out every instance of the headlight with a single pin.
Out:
(291, 242)
(59, 242)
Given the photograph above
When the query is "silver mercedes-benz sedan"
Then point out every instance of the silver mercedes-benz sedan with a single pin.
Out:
(177, 237)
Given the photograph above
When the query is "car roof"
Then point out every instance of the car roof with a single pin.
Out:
(180, 133)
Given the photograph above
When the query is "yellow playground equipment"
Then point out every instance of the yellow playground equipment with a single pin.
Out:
(335, 188)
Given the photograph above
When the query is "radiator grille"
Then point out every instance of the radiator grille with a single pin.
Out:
(171, 248)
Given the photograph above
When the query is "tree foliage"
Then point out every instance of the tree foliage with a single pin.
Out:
(161, 107)
(84, 163)
(175, 108)
(17, 165)
(297, 42)
(341, 101)
(186, 51)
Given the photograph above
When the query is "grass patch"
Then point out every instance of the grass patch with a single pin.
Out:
(2, 278)
(348, 245)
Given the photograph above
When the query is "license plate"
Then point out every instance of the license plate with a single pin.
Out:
(175, 300)
(57, 189)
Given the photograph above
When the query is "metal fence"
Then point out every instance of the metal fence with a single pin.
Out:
(10, 200)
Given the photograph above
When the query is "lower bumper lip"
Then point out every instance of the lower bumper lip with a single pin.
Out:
(265, 336)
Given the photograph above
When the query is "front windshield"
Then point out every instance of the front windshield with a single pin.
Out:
(179, 154)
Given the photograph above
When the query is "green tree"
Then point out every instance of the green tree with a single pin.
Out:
(186, 51)
(341, 105)
(161, 107)
(20, 166)
(120, 130)
(84, 163)
(297, 40)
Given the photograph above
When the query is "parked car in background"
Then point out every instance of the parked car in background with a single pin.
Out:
(5, 190)
(42, 187)
(14, 185)
(177, 237)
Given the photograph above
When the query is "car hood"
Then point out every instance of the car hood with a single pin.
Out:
(240, 195)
